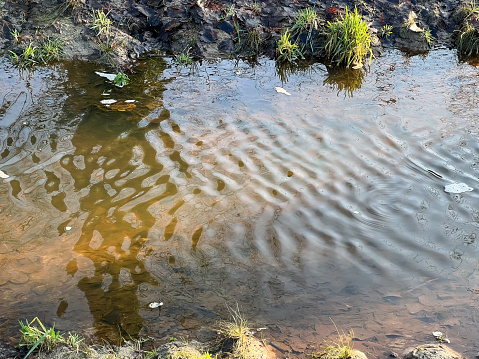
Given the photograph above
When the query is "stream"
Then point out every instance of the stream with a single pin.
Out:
(204, 188)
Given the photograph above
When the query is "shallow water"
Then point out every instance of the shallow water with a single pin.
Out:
(212, 188)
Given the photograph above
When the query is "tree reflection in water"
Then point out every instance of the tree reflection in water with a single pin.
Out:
(117, 177)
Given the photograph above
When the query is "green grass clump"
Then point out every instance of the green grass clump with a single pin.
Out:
(468, 36)
(349, 41)
(49, 50)
(36, 335)
(470, 12)
(305, 20)
(468, 40)
(121, 79)
(286, 50)
(427, 36)
(27, 58)
(101, 23)
(184, 58)
(386, 31)
(253, 40)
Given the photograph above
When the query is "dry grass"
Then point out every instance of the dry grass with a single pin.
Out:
(341, 348)
(238, 330)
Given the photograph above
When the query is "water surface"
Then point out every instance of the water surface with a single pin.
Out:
(214, 189)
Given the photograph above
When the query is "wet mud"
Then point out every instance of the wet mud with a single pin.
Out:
(213, 28)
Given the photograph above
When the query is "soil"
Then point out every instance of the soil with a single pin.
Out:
(211, 28)
(177, 349)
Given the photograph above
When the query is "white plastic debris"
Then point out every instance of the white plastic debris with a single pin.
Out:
(3, 175)
(109, 77)
(108, 102)
(282, 90)
(67, 228)
(457, 188)
(154, 305)
(440, 336)
(130, 101)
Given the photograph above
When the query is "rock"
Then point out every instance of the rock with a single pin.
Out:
(8, 352)
(356, 354)
(432, 351)
(208, 35)
(226, 46)
(227, 27)
(148, 12)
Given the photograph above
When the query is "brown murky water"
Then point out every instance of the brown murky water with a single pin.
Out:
(213, 188)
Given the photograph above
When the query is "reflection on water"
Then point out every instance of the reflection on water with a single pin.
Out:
(345, 79)
(213, 188)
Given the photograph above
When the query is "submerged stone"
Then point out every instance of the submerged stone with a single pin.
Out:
(432, 351)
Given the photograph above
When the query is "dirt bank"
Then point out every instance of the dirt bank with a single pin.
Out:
(211, 28)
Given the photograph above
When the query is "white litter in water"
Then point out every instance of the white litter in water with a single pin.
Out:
(282, 90)
(107, 102)
(457, 188)
(3, 174)
(68, 228)
(154, 305)
(109, 77)
(130, 101)
(441, 337)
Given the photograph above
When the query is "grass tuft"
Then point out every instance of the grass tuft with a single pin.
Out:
(468, 35)
(254, 40)
(348, 41)
(37, 336)
(468, 40)
(49, 50)
(342, 348)
(305, 20)
(286, 50)
(101, 23)
(184, 58)
(238, 330)
(386, 31)
(470, 12)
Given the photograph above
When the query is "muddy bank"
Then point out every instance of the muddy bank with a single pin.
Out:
(181, 349)
(212, 28)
